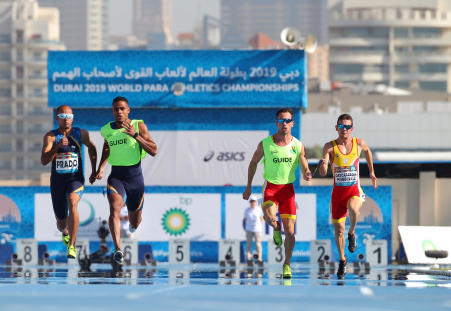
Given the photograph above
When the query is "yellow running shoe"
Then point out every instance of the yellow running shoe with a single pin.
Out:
(71, 252)
(66, 239)
(277, 236)
(286, 272)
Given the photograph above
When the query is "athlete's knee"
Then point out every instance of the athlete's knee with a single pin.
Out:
(339, 231)
(116, 206)
(354, 205)
(72, 202)
(289, 232)
(270, 220)
(354, 209)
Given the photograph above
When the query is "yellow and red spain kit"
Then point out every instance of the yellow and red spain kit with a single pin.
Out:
(345, 168)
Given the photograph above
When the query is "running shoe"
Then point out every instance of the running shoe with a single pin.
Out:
(342, 268)
(277, 235)
(286, 272)
(131, 229)
(66, 239)
(118, 256)
(352, 243)
(72, 252)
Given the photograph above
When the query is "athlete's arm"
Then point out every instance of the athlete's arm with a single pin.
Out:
(325, 160)
(258, 155)
(304, 165)
(369, 159)
(92, 151)
(143, 139)
(105, 155)
(48, 150)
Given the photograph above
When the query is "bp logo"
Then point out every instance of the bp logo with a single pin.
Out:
(175, 221)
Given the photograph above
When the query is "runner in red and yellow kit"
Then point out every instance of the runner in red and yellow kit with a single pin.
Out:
(282, 153)
(343, 155)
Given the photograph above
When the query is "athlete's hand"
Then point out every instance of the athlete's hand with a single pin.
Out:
(308, 176)
(63, 142)
(374, 180)
(129, 129)
(98, 175)
(93, 178)
(247, 193)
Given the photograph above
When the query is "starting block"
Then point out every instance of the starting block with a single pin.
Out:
(148, 261)
(45, 260)
(229, 253)
(14, 261)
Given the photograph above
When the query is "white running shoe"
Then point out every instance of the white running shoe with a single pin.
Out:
(131, 229)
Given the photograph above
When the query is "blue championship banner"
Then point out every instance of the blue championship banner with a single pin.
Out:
(190, 79)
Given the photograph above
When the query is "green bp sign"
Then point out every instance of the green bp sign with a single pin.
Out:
(175, 221)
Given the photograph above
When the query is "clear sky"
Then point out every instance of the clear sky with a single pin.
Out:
(185, 15)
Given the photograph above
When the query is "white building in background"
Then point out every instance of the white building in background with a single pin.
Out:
(84, 23)
(400, 43)
(27, 33)
(152, 17)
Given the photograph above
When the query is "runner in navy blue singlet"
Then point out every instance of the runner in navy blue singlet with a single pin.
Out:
(62, 147)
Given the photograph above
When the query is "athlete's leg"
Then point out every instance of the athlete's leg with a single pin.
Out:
(134, 189)
(287, 211)
(249, 236)
(288, 227)
(61, 225)
(59, 202)
(354, 205)
(116, 203)
(135, 218)
(270, 214)
(73, 219)
(339, 229)
(116, 198)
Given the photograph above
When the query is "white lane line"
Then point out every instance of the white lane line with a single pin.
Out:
(366, 291)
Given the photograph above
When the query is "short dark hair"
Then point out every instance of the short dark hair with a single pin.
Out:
(284, 110)
(120, 99)
(345, 116)
(60, 108)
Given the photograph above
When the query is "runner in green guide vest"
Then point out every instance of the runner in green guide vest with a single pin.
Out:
(126, 143)
(282, 153)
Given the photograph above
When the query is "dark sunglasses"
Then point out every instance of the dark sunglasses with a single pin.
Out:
(342, 126)
(284, 120)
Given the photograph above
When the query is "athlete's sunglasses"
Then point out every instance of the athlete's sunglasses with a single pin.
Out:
(342, 126)
(284, 120)
(64, 115)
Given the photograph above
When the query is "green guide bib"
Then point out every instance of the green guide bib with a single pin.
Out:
(280, 162)
(124, 149)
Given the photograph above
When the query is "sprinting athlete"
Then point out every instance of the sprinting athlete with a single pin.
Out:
(282, 153)
(126, 143)
(343, 155)
(62, 147)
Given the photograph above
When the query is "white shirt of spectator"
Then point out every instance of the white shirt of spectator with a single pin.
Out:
(253, 219)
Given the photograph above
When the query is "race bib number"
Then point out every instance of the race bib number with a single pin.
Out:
(345, 176)
(66, 163)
